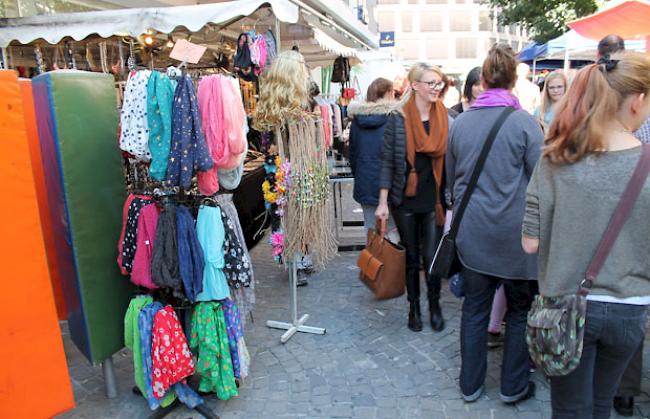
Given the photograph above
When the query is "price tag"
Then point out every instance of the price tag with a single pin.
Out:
(186, 51)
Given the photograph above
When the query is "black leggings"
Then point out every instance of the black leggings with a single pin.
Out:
(420, 235)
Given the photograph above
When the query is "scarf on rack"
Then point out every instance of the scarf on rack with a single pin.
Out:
(164, 261)
(491, 98)
(434, 145)
(134, 126)
(188, 153)
(190, 255)
(160, 94)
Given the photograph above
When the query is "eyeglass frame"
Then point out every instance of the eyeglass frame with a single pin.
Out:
(437, 85)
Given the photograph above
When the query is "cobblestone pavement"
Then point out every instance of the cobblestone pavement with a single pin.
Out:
(367, 365)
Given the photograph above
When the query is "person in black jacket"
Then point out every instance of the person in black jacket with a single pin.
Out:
(411, 180)
(366, 139)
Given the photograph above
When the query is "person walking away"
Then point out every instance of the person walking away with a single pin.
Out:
(488, 240)
(590, 155)
(471, 91)
(526, 91)
(411, 179)
(555, 86)
(366, 140)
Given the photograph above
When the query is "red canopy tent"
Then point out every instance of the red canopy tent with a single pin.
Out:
(628, 19)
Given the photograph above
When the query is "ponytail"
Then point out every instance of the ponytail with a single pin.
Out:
(594, 97)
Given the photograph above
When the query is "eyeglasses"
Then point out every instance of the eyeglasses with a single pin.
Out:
(438, 85)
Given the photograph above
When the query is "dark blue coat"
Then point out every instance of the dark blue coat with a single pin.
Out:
(366, 139)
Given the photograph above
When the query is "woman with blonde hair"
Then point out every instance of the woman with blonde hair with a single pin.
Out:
(411, 181)
(555, 87)
(589, 157)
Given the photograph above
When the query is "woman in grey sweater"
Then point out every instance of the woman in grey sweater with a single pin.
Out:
(589, 157)
(488, 240)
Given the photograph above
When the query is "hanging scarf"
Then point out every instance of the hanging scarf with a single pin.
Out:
(160, 94)
(491, 98)
(433, 145)
(190, 255)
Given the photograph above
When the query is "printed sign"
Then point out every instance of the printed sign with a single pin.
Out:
(386, 39)
(186, 51)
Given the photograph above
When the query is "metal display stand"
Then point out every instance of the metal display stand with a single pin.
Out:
(297, 324)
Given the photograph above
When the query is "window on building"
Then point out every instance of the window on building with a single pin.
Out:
(407, 21)
(437, 49)
(386, 21)
(466, 47)
(484, 21)
(410, 49)
(430, 22)
(461, 21)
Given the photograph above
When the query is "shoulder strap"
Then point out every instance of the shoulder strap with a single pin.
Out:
(621, 213)
(477, 170)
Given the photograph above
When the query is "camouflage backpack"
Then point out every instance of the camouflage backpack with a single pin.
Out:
(556, 328)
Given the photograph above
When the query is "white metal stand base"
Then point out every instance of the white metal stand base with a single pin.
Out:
(297, 324)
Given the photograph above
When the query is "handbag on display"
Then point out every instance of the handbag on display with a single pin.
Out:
(382, 264)
(445, 262)
(556, 325)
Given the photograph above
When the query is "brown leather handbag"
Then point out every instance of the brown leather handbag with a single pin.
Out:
(382, 265)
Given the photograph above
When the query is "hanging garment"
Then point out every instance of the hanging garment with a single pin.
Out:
(242, 61)
(147, 222)
(327, 124)
(134, 127)
(183, 391)
(236, 343)
(164, 262)
(271, 49)
(190, 255)
(188, 153)
(131, 231)
(132, 341)
(160, 96)
(230, 178)
(338, 124)
(237, 267)
(120, 242)
(244, 297)
(249, 96)
(171, 359)
(214, 363)
(211, 108)
(235, 123)
(261, 45)
(210, 233)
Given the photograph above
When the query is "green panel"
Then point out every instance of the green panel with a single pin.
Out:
(87, 121)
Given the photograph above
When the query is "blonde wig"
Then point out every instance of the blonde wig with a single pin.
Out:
(284, 92)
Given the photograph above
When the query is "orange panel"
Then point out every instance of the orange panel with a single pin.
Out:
(41, 193)
(34, 381)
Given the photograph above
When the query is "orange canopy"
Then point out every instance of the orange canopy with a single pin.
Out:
(628, 19)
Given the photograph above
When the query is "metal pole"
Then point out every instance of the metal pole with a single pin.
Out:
(109, 378)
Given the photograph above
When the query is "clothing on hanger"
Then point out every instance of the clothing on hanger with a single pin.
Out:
(147, 223)
(190, 255)
(210, 233)
(160, 96)
(164, 262)
(134, 125)
(129, 242)
(237, 267)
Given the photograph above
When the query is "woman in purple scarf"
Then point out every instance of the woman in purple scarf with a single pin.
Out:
(488, 240)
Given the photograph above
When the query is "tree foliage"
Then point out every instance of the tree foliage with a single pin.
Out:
(544, 19)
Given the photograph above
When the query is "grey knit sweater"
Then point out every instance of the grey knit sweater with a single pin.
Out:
(489, 237)
(568, 208)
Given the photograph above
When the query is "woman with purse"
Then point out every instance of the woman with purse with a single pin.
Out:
(488, 237)
(411, 178)
(576, 198)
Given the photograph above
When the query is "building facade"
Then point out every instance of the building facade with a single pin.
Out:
(453, 34)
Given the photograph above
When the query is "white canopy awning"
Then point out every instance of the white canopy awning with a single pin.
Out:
(332, 45)
(134, 22)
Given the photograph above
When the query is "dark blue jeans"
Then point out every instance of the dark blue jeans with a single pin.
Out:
(479, 293)
(613, 333)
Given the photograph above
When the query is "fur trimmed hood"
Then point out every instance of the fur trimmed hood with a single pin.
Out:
(381, 107)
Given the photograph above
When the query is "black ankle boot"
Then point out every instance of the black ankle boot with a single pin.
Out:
(437, 321)
(415, 317)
